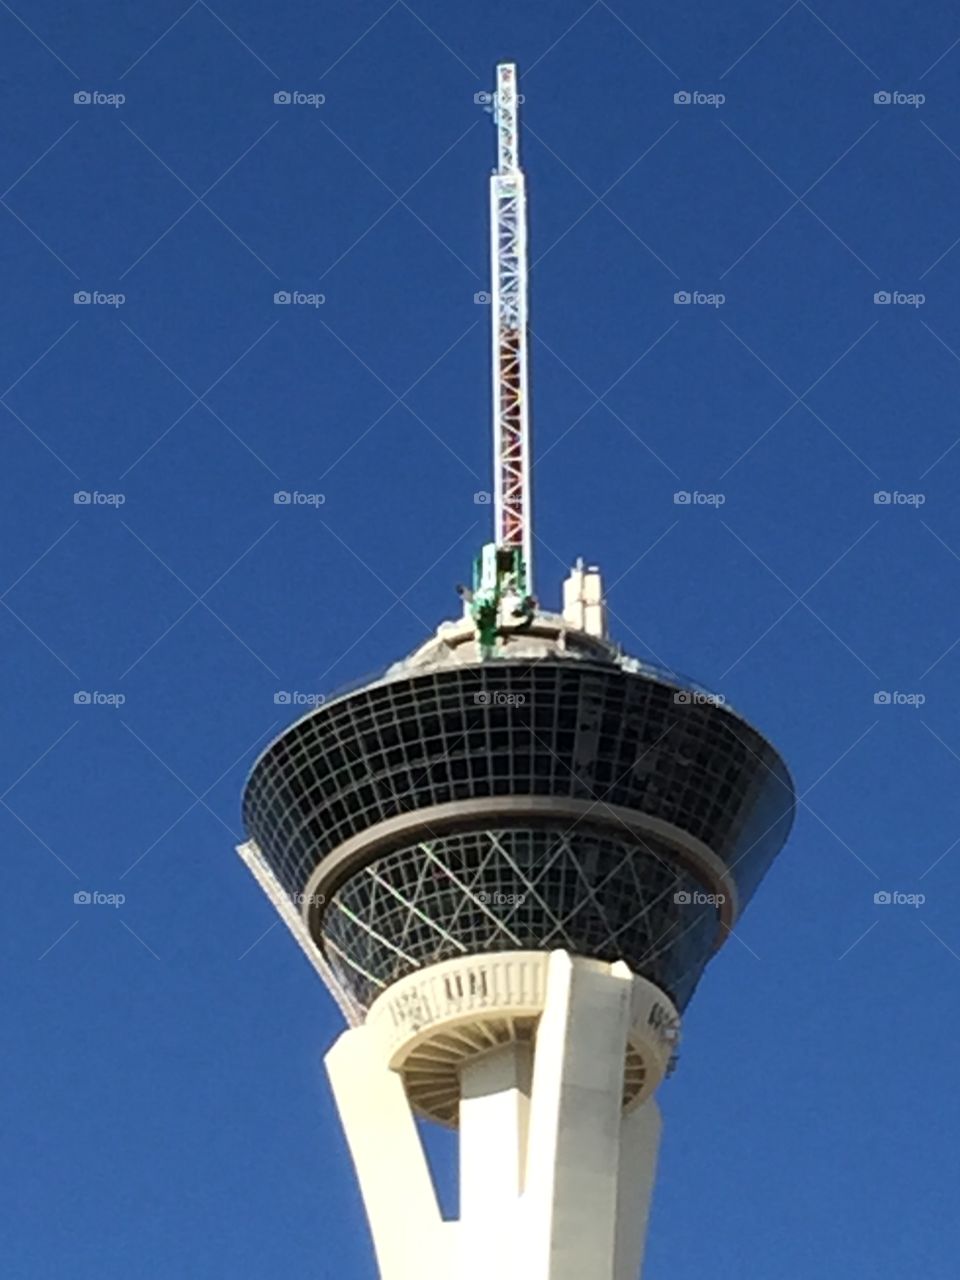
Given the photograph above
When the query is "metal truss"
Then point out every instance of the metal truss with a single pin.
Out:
(511, 400)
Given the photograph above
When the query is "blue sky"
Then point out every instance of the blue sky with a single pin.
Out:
(164, 1109)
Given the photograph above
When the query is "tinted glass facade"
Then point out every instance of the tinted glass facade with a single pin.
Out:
(588, 892)
(550, 728)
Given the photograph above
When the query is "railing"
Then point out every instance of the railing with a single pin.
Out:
(635, 666)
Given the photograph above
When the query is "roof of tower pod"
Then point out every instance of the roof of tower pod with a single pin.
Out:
(558, 794)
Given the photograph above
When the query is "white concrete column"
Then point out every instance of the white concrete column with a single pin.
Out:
(575, 1116)
(494, 1105)
(639, 1145)
(409, 1236)
(555, 1177)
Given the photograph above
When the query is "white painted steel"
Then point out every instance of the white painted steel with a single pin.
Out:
(508, 270)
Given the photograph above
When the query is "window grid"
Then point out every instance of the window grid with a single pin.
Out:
(551, 728)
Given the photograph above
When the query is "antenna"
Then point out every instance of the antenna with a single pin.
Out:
(508, 270)
(502, 601)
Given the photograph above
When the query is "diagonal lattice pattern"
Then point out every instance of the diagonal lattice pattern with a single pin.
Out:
(517, 889)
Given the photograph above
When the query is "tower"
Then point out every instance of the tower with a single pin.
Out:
(510, 859)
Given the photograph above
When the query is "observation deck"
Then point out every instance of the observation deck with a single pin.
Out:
(559, 795)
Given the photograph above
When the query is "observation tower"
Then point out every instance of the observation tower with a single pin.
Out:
(510, 859)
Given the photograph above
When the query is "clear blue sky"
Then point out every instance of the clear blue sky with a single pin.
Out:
(163, 1110)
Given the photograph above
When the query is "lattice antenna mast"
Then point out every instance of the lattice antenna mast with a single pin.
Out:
(508, 261)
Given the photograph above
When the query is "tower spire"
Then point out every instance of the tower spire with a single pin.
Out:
(508, 270)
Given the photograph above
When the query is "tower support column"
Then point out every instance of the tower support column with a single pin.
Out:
(494, 1117)
(576, 1119)
(540, 1052)
(398, 1192)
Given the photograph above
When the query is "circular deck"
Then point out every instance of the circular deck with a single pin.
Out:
(519, 804)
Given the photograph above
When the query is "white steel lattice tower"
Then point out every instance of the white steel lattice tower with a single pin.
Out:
(510, 859)
(511, 396)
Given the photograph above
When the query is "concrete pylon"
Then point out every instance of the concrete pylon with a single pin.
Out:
(553, 1060)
